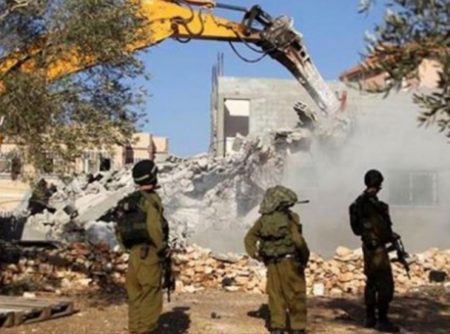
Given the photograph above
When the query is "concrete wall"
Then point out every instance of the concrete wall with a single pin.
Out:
(428, 76)
(11, 193)
(429, 73)
(143, 146)
(147, 146)
(271, 105)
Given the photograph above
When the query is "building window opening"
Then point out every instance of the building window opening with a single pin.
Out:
(129, 155)
(16, 167)
(410, 188)
(11, 163)
(236, 120)
(105, 164)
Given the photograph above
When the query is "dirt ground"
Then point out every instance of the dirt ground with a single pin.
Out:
(218, 312)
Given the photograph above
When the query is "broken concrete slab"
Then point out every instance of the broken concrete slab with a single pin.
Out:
(200, 194)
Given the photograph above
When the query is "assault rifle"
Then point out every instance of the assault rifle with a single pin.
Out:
(402, 255)
(168, 278)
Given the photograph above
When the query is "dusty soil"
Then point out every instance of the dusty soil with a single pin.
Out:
(217, 312)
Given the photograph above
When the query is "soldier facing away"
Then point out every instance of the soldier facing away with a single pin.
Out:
(276, 238)
(369, 219)
(143, 230)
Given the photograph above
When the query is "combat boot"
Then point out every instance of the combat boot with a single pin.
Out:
(277, 331)
(384, 324)
(371, 319)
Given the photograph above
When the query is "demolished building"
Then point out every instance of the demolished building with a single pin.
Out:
(373, 131)
(253, 107)
(205, 197)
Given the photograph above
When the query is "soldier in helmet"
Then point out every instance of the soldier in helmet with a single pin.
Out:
(143, 230)
(276, 238)
(369, 219)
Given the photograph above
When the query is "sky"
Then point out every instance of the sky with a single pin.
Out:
(180, 85)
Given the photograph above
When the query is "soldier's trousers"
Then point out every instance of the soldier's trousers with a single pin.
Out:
(145, 297)
(286, 288)
(379, 289)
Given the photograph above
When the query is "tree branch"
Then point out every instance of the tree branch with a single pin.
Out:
(13, 5)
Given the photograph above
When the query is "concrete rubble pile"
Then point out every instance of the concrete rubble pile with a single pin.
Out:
(80, 266)
(71, 269)
(198, 193)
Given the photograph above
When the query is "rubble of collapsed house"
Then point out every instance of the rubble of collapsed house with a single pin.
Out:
(79, 267)
(197, 193)
(200, 193)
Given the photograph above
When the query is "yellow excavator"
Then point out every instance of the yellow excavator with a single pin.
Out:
(194, 19)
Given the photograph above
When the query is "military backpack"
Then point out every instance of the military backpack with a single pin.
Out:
(369, 218)
(356, 217)
(132, 220)
(275, 234)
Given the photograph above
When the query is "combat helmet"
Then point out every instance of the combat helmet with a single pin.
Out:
(373, 178)
(145, 172)
(277, 197)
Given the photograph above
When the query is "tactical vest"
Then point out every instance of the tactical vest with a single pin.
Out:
(132, 220)
(369, 218)
(275, 234)
(356, 217)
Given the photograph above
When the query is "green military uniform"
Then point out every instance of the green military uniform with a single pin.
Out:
(276, 238)
(147, 243)
(370, 219)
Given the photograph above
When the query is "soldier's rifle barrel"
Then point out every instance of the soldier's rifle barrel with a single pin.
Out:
(303, 202)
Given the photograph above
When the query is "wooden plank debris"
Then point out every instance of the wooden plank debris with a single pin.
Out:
(16, 311)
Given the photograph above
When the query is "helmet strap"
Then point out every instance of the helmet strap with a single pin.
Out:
(146, 187)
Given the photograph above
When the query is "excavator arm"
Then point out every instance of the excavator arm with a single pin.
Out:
(178, 19)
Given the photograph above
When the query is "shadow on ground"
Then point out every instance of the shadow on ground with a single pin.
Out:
(176, 321)
(414, 314)
(105, 296)
(261, 313)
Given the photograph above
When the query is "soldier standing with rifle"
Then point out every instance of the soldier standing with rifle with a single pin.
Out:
(369, 219)
(143, 230)
(276, 238)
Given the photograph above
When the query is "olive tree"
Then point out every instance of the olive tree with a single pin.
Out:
(61, 117)
(411, 31)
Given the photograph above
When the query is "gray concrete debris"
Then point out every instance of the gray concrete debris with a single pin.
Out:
(203, 195)
(38, 227)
